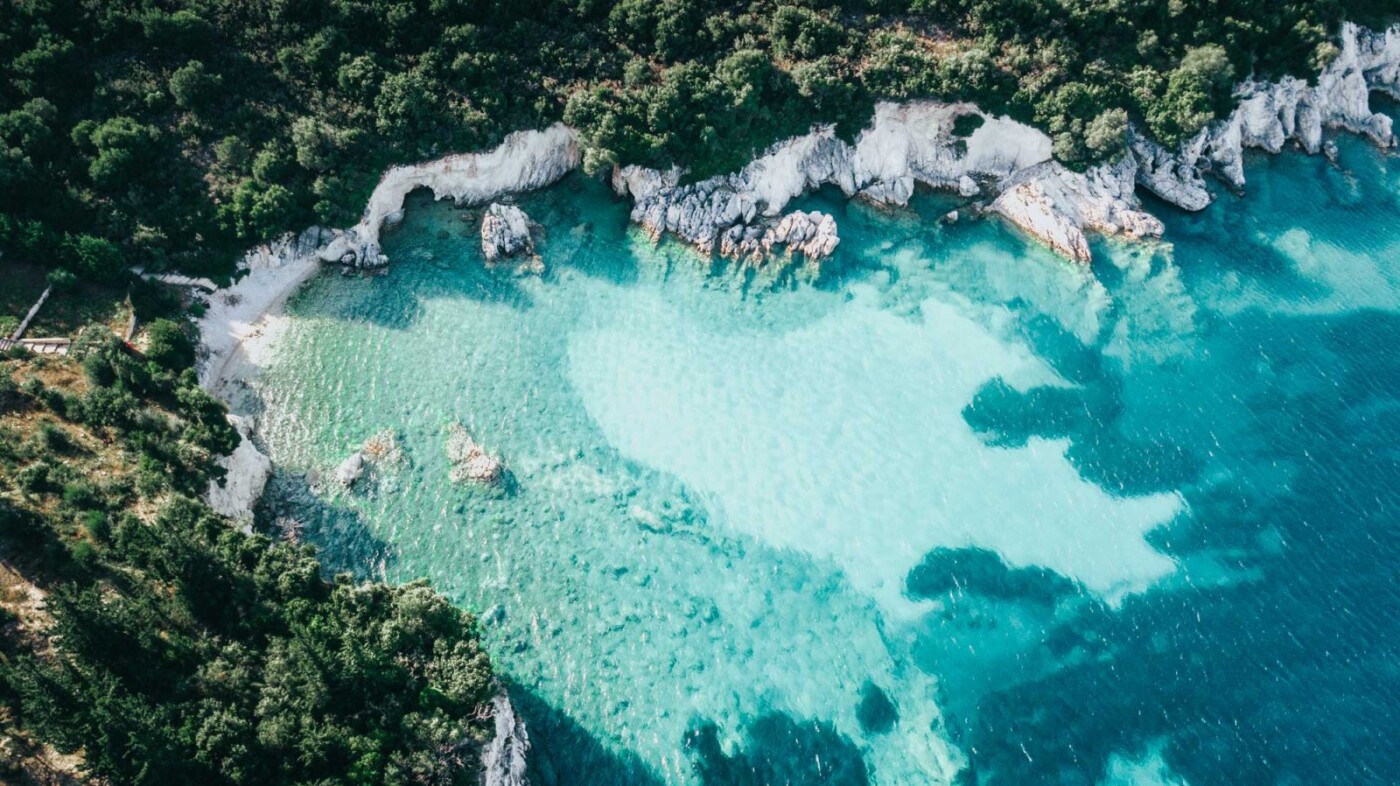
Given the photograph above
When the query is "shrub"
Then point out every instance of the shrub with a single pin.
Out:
(81, 495)
(62, 279)
(169, 345)
(95, 524)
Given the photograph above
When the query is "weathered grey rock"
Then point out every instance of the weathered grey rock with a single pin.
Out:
(1056, 205)
(351, 469)
(813, 235)
(247, 472)
(504, 759)
(505, 232)
(1272, 114)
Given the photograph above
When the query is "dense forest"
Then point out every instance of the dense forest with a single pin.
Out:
(171, 648)
(172, 133)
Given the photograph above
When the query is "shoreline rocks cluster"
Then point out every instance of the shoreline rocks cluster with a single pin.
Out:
(813, 235)
(1271, 114)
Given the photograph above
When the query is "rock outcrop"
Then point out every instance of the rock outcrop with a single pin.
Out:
(906, 145)
(1010, 163)
(506, 233)
(525, 161)
(504, 759)
(1272, 114)
(813, 235)
(247, 471)
(1056, 206)
(470, 461)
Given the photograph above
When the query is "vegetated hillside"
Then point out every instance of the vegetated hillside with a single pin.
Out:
(176, 132)
(145, 640)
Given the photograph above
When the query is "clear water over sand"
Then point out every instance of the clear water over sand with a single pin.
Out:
(960, 504)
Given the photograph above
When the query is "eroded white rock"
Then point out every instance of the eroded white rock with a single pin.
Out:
(525, 161)
(351, 469)
(1272, 114)
(247, 473)
(470, 461)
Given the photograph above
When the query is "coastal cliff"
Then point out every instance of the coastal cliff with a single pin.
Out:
(1004, 162)
(1271, 114)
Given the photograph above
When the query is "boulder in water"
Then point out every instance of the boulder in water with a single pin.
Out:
(350, 469)
(469, 460)
(505, 233)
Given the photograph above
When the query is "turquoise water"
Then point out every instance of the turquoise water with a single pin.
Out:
(958, 507)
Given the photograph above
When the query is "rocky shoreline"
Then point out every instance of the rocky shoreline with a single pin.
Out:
(1004, 166)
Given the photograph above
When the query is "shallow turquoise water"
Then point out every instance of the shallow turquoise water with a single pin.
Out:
(960, 504)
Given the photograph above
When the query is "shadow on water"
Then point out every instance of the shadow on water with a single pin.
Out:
(563, 753)
(1285, 675)
(777, 751)
(980, 571)
(343, 541)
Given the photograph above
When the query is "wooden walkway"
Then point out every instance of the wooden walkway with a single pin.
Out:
(39, 346)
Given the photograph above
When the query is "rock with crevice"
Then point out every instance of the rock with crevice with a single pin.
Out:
(247, 471)
(1058, 206)
(504, 760)
(811, 234)
(506, 232)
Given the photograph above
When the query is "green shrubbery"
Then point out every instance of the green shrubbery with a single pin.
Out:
(175, 134)
(183, 651)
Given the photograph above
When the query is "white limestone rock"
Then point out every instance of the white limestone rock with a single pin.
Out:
(247, 473)
(351, 469)
(905, 145)
(1058, 206)
(813, 235)
(525, 161)
(505, 233)
(470, 461)
(1272, 114)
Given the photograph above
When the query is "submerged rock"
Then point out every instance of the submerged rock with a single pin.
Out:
(876, 713)
(505, 232)
(383, 447)
(470, 462)
(350, 469)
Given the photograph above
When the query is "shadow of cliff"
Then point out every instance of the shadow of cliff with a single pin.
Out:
(343, 541)
(563, 753)
(778, 751)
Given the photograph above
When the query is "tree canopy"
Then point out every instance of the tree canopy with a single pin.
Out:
(180, 132)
